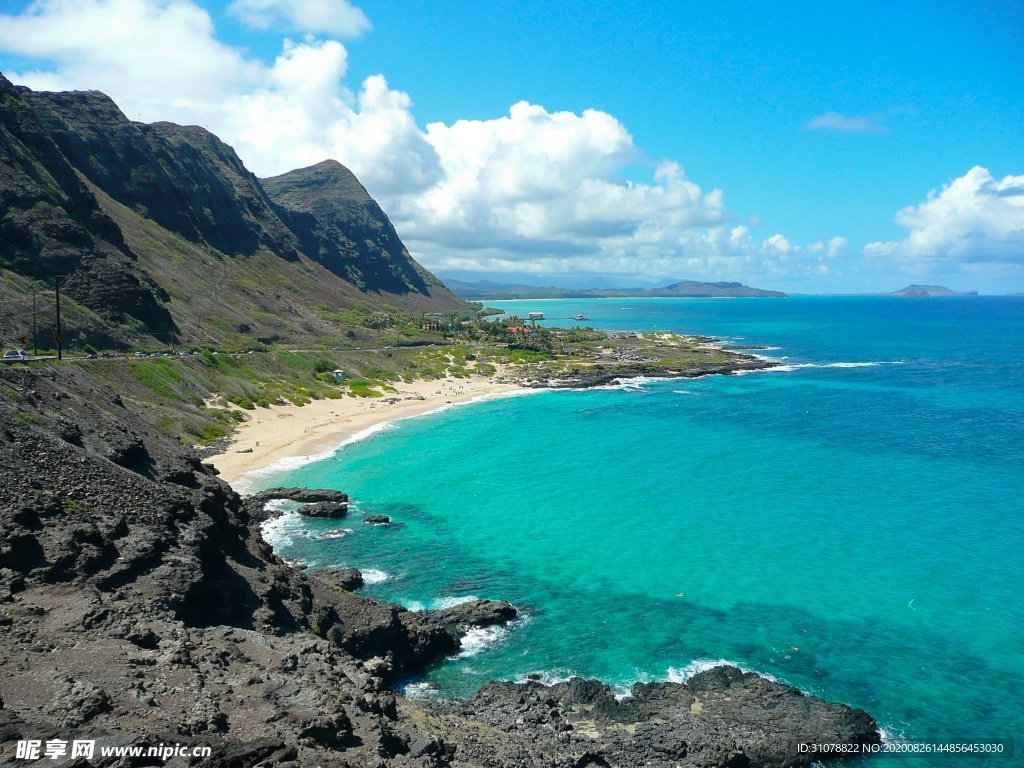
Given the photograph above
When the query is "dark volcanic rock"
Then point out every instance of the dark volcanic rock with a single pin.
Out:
(377, 520)
(327, 509)
(307, 495)
(256, 503)
(478, 613)
(349, 579)
(723, 717)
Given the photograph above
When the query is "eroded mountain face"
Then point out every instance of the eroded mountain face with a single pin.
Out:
(152, 220)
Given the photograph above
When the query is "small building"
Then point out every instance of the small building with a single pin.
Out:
(536, 316)
(339, 375)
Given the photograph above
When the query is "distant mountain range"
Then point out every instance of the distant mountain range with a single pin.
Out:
(160, 230)
(912, 291)
(688, 288)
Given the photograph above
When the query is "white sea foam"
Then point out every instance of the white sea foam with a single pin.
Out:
(548, 677)
(871, 364)
(339, 534)
(278, 531)
(450, 602)
(789, 367)
(695, 667)
(245, 482)
(479, 639)
(373, 576)
(629, 384)
(421, 690)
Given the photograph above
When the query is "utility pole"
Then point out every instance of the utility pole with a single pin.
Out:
(57, 337)
(35, 336)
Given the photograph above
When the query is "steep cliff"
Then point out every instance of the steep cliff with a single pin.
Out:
(165, 233)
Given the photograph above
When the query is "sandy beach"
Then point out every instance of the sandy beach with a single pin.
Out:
(270, 435)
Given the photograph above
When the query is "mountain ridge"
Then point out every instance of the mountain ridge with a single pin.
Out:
(486, 289)
(914, 290)
(159, 231)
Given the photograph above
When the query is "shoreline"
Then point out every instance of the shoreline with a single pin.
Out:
(282, 437)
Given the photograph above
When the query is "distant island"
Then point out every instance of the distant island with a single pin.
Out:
(921, 291)
(486, 289)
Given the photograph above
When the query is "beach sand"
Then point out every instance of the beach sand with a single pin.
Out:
(289, 431)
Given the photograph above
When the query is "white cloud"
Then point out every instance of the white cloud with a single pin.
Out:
(158, 59)
(834, 121)
(329, 17)
(302, 113)
(534, 191)
(974, 219)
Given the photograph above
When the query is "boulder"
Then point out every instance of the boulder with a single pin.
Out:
(478, 613)
(329, 510)
(377, 520)
(349, 579)
(305, 495)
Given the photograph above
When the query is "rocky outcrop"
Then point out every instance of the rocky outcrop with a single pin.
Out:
(602, 374)
(139, 605)
(349, 579)
(304, 495)
(722, 717)
(328, 510)
(477, 613)
(319, 502)
(377, 520)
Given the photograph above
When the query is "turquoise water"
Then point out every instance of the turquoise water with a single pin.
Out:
(851, 524)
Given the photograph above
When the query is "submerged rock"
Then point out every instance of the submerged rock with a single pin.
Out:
(377, 520)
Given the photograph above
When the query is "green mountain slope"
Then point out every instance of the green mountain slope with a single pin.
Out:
(161, 233)
(341, 227)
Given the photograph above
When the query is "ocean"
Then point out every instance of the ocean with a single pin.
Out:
(849, 523)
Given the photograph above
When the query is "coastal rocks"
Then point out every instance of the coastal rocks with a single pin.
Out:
(377, 520)
(304, 495)
(604, 374)
(478, 613)
(367, 629)
(313, 498)
(349, 579)
(329, 510)
(722, 717)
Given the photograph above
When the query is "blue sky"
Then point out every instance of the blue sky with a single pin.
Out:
(801, 146)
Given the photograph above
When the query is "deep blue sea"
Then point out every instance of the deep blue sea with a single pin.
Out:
(851, 523)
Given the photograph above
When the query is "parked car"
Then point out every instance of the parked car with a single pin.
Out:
(16, 356)
(141, 354)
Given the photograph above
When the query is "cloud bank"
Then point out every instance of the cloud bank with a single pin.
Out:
(529, 192)
(533, 191)
(974, 219)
